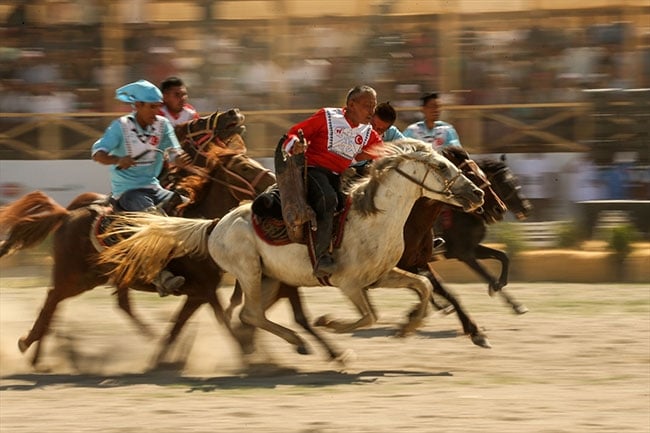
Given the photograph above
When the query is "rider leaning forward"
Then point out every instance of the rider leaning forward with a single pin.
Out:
(335, 137)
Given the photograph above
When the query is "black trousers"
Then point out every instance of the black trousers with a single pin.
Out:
(323, 188)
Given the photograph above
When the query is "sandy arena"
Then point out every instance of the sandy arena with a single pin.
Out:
(578, 362)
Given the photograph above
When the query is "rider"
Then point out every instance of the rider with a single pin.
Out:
(431, 130)
(133, 146)
(175, 106)
(383, 122)
(436, 132)
(334, 137)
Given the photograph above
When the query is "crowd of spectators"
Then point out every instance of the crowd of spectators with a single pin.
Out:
(68, 67)
(65, 67)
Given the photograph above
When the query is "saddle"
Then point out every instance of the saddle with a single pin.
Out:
(107, 220)
(270, 226)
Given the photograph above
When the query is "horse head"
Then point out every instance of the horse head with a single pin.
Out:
(229, 177)
(437, 177)
(216, 126)
(493, 208)
(507, 186)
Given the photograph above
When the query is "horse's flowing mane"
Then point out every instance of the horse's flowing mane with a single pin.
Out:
(392, 154)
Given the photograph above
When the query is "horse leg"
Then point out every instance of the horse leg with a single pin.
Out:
(41, 325)
(186, 311)
(483, 252)
(295, 300)
(235, 300)
(401, 278)
(124, 302)
(253, 313)
(469, 327)
(359, 298)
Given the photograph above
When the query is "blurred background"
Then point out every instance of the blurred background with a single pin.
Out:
(561, 88)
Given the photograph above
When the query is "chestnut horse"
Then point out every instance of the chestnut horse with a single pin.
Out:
(232, 176)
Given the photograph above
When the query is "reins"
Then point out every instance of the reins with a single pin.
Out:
(447, 183)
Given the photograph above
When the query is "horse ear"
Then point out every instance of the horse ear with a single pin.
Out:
(503, 157)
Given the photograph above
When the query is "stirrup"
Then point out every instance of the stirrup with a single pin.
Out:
(438, 246)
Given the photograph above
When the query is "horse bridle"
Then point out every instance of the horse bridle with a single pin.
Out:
(207, 134)
(448, 184)
(249, 187)
(505, 172)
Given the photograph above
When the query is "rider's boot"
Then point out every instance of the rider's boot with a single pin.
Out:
(325, 264)
(167, 283)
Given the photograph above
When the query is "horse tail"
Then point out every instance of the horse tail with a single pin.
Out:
(28, 221)
(152, 241)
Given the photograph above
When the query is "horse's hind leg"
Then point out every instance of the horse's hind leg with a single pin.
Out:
(295, 300)
(469, 327)
(187, 310)
(124, 302)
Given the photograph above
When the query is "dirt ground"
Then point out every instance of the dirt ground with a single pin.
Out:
(578, 361)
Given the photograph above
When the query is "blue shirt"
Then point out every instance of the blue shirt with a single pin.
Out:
(441, 135)
(154, 140)
(392, 134)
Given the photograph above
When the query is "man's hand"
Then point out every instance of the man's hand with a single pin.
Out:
(125, 162)
(182, 160)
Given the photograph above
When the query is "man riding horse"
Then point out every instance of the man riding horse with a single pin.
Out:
(134, 146)
(333, 138)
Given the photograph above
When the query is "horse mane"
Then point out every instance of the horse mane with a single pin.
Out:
(491, 165)
(456, 152)
(392, 154)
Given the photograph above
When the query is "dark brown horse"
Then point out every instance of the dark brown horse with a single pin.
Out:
(463, 240)
(463, 233)
(28, 221)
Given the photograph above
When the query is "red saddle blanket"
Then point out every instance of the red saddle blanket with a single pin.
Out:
(274, 232)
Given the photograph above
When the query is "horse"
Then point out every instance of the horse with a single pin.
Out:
(28, 221)
(463, 233)
(372, 244)
(418, 241)
(417, 256)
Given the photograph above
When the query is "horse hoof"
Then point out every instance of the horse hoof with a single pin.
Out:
(520, 309)
(22, 345)
(322, 321)
(348, 356)
(481, 341)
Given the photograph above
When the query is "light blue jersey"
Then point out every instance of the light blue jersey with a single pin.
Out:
(125, 136)
(441, 135)
(392, 134)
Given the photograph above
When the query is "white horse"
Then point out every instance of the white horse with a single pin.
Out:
(371, 247)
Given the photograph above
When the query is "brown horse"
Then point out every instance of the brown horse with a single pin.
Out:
(28, 221)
